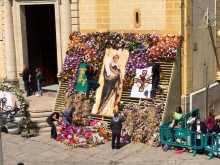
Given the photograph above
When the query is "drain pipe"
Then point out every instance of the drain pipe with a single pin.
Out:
(206, 90)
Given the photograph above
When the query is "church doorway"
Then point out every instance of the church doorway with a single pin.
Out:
(41, 42)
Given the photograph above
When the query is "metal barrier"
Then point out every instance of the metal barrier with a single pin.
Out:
(185, 138)
(214, 147)
(181, 138)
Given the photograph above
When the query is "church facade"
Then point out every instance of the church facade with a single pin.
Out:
(35, 33)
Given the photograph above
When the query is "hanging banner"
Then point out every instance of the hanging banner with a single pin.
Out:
(142, 86)
(109, 93)
(81, 85)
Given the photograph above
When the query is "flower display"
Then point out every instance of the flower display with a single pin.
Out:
(83, 136)
(142, 124)
(143, 49)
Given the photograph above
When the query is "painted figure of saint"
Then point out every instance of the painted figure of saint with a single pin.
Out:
(112, 85)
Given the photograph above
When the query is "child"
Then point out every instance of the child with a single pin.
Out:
(191, 120)
(116, 126)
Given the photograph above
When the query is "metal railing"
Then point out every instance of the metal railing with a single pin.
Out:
(185, 138)
(214, 146)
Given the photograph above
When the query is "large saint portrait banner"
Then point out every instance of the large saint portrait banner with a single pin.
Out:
(81, 85)
(142, 86)
(111, 78)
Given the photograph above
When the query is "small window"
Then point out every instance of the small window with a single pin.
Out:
(137, 18)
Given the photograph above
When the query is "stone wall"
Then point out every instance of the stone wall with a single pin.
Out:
(119, 15)
(75, 15)
(2, 57)
(198, 100)
(204, 44)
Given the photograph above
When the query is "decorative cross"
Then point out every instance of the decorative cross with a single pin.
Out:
(141, 81)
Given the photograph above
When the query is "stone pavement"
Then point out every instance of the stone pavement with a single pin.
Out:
(42, 150)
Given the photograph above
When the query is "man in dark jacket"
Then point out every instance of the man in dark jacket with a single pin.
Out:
(26, 75)
(90, 79)
(116, 126)
(156, 70)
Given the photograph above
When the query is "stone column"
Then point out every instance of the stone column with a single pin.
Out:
(11, 68)
(65, 17)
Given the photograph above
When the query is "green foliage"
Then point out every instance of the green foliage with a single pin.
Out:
(28, 127)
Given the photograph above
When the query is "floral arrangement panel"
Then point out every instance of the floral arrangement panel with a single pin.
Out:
(143, 49)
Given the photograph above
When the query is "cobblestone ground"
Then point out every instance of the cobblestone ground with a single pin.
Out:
(41, 150)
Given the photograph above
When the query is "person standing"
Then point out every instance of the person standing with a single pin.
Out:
(200, 128)
(50, 120)
(90, 79)
(39, 77)
(116, 126)
(210, 121)
(26, 75)
(155, 74)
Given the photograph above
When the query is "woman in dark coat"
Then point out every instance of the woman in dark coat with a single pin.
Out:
(199, 127)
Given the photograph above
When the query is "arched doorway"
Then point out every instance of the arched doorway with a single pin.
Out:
(41, 42)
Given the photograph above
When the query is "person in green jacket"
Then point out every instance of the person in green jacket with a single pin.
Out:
(177, 117)
(39, 77)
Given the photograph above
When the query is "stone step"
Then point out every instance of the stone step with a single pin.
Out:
(39, 119)
(39, 110)
(39, 115)
(45, 129)
(44, 124)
